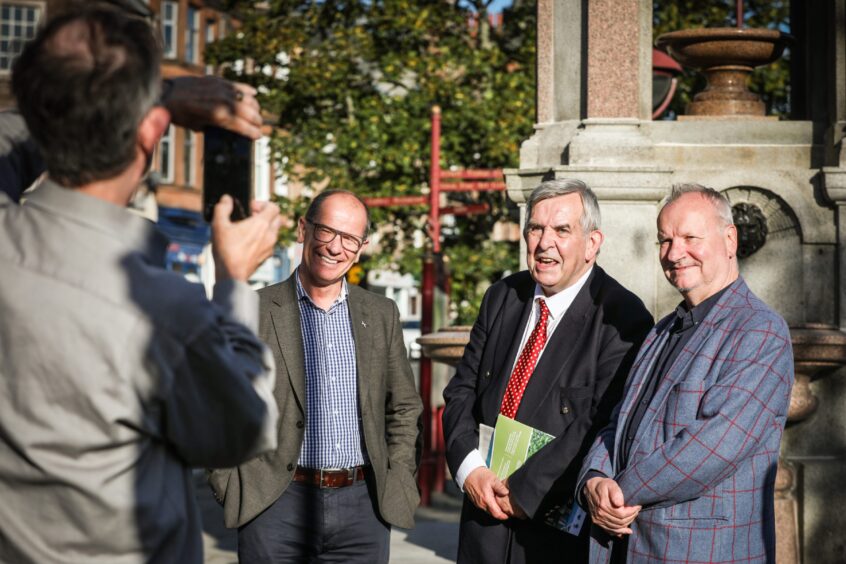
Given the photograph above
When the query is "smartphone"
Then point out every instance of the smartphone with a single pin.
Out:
(227, 169)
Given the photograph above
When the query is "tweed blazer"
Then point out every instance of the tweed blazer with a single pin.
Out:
(703, 462)
(389, 404)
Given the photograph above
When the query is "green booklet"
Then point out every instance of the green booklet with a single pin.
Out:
(512, 444)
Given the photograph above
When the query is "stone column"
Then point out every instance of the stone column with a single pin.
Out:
(594, 96)
(619, 55)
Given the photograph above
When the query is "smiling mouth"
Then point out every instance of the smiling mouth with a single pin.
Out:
(545, 260)
(329, 261)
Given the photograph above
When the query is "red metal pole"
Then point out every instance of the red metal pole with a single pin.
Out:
(427, 314)
(388, 201)
(425, 475)
(472, 186)
(467, 209)
(472, 173)
(435, 181)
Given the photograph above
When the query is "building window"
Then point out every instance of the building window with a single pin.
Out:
(225, 24)
(170, 17)
(211, 26)
(192, 35)
(18, 24)
(165, 162)
(188, 156)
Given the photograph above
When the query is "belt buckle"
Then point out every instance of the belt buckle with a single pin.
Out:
(320, 482)
(352, 476)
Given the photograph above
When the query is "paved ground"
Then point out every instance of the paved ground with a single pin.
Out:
(433, 541)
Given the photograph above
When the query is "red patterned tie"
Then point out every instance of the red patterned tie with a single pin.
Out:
(525, 365)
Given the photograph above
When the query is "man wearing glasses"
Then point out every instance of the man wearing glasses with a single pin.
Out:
(349, 433)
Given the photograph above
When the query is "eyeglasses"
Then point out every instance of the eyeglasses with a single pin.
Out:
(326, 234)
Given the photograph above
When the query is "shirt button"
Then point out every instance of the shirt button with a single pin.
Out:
(630, 437)
(338, 446)
(565, 410)
(643, 402)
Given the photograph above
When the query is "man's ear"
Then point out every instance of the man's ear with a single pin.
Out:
(361, 250)
(593, 243)
(152, 127)
(301, 230)
(731, 240)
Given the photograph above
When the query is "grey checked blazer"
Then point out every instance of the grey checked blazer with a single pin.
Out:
(389, 402)
(703, 463)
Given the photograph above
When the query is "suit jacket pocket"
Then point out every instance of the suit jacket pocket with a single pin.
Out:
(708, 506)
(682, 407)
(574, 400)
(218, 480)
(400, 498)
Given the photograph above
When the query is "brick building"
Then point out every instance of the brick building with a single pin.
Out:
(186, 27)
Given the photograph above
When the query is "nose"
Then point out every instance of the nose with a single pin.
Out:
(674, 250)
(334, 246)
(546, 239)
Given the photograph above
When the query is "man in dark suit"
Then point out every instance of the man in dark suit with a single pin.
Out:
(551, 348)
(349, 426)
(686, 470)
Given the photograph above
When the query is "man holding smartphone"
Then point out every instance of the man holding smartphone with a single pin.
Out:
(194, 102)
(116, 376)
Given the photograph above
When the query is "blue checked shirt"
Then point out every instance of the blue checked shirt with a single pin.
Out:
(333, 422)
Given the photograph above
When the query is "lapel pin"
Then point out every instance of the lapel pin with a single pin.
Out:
(363, 324)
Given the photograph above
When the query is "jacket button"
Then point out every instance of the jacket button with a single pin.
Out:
(487, 374)
(290, 467)
(565, 410)
(300, 424)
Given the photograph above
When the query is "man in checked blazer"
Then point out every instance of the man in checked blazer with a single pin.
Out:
(686, 470)
(594, 327)
(349, 425)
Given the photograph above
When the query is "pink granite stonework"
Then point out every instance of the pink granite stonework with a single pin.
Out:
(613, 47)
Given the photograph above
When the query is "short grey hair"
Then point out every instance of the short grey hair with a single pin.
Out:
(590, 219)
(721, 204)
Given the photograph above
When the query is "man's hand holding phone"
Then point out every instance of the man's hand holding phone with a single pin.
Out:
(240, 247)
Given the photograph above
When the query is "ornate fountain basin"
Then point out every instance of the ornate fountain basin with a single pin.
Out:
(817, 350)
(446, 345)
(710, 47)
(727, 56)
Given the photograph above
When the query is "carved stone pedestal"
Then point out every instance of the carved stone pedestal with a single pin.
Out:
(446, 345)
(817, 350)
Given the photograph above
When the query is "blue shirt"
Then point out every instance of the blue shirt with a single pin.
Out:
(333, 419)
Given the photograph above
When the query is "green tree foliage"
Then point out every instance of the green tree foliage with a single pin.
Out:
(352, 83)
(772, 82)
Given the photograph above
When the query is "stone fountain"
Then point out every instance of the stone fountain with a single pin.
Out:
(727, 56)
(446, 345)
(818, 350)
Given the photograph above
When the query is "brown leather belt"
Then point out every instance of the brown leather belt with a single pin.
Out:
(329, 478)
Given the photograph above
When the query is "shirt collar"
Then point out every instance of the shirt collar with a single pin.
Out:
(689, 317)
(302, 294)
(118, 223)
(559, 303)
